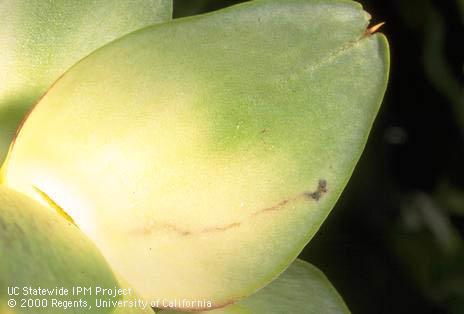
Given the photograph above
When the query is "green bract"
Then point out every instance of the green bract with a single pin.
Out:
(39, 249)
(302, 288)
(40, 40)
(207, 151)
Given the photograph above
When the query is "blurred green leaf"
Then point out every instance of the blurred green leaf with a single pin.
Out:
(41, 39)
(461, 7)
(302, 288)
(423, 17)
(430, 250)
(451, 198)
(436, 65)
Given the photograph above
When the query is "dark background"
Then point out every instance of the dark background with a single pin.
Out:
(394, 242)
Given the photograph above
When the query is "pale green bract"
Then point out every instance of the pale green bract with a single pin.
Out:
(39, 249)
(41, 39)
(301, 289)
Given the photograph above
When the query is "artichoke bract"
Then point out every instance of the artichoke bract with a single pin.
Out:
(302, 288)
(40, 40)
(201, 155)
(43, 258)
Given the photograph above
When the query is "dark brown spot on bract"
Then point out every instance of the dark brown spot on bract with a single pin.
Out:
(321, 189)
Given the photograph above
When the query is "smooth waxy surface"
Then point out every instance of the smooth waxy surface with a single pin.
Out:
(41, 39)
(38, 248)
(208, 150)
(302, 288)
